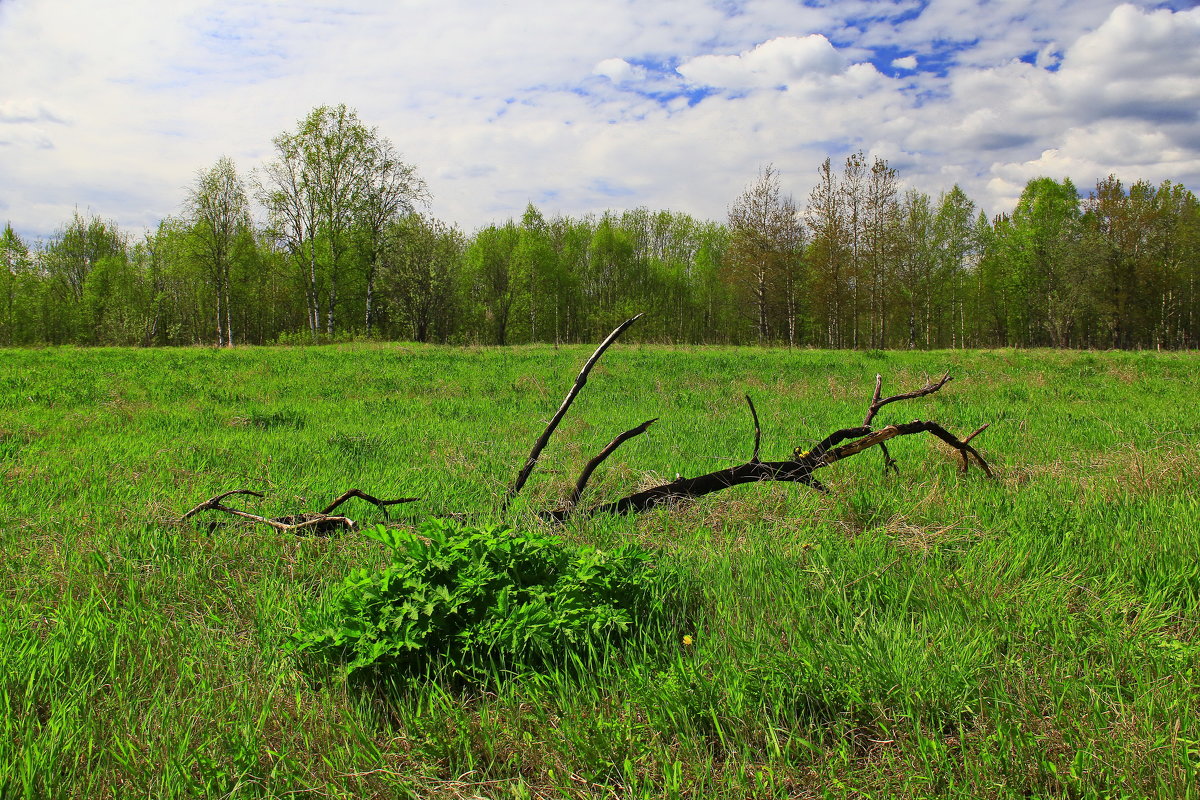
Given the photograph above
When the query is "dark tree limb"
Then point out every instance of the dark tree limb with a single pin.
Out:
(876, 403)
(544, 439)
(381, 504)
(686, 488)
(837, 446)
(757, 430)
(584, 476)
(215, 502)
(904, 429)
(889, 463)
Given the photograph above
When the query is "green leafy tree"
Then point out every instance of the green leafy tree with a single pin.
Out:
(219, 213)
(15, 267)
(334, 179)
(422, 259)
(68, 259)
(915, 269)
(766, 241)
(492, 276)
(954, 237)
(1043, 247)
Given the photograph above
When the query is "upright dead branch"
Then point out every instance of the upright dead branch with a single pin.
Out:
(889, 463)
(757, 430)
(580, 382)
(876, 403)
(590, 467)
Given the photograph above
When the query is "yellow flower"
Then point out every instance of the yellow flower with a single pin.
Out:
(687, 640)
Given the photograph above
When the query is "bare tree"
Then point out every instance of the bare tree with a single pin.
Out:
(828, 253)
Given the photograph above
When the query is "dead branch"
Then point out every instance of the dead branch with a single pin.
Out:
(580, 382)
(757, 430)
(876, 403)
(381, 504)
(802, 465)
(584, 476)
(837, 446)
(320, 523)
(889, 463)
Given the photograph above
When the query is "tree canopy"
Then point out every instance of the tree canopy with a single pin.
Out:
(343, 250)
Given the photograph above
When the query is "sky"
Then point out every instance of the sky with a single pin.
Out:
(113, 107)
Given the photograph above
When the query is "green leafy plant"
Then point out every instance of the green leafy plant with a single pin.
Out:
(475, 598)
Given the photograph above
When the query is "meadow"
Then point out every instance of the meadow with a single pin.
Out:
(927, 634)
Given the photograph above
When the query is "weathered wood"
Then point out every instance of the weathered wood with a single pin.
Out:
(381, 504)
(561, 514)
(837, 446)
(800, 468)
(320, 523)
(757, 430)
(543, 440)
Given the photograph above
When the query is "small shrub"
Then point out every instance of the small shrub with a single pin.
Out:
(471, 599)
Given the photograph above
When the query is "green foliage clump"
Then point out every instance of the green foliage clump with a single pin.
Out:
(472, 599)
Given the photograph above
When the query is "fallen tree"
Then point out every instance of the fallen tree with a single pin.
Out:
(837, 446)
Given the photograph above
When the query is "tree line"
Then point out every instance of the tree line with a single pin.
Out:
(344, 249)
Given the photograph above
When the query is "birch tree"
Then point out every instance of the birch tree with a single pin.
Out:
(765, 247)
(332, 178)
(219, 213)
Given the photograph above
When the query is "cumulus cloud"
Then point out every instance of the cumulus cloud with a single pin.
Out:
(618, 70)
(778, 62)
(593, 104)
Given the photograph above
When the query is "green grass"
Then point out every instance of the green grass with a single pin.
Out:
(920, 635)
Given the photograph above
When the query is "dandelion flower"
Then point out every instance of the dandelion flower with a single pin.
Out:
(687, 640)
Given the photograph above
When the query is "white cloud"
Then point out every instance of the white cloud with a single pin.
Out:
(618, 70)
(778, 62)
(677, 102)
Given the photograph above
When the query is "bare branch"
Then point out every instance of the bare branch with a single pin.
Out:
(580, 382)
(591, 466)
(382, 504)
(215, 502)
(757, 430)
(837, 446)
(321, 522)
(877, 404)
(978, 431)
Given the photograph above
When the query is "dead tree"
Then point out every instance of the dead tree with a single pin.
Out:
(837, 446)
(799, 468)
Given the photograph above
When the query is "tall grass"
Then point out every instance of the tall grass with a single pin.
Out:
(920, 635)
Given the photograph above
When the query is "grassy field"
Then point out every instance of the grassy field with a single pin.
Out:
(922, 635)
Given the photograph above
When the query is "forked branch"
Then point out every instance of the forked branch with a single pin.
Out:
(320, 523)
(544, 439)
(837, 446)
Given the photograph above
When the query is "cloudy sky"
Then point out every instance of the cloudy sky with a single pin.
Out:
(585, 105)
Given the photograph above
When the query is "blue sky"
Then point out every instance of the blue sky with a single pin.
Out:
(112, 107)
